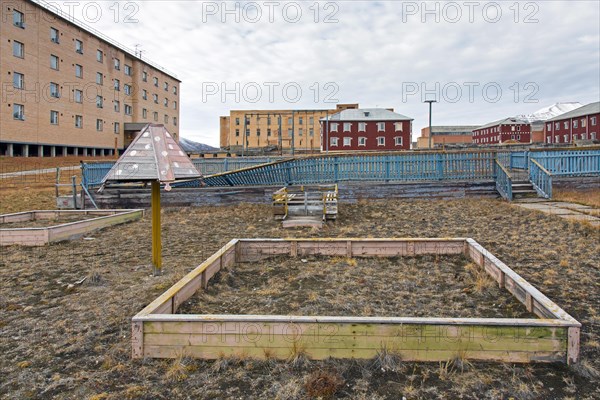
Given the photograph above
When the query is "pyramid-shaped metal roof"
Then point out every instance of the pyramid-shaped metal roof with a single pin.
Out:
(153, 155)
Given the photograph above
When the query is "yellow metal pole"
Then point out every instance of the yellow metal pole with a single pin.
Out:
(156, 243)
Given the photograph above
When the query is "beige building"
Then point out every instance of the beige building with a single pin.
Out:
(277, 129)
(68, 90)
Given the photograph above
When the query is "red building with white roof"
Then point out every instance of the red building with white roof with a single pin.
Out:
(366, 129)
(582, 123)
(502, 131)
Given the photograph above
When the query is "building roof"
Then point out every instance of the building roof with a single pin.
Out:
(153, 155)
(367, 114)
(452, 129)
(592, 108)
(504, 121)
(56, 11)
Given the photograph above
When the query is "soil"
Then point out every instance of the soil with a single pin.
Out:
(425, 286)
(45, 223)
(64, 338)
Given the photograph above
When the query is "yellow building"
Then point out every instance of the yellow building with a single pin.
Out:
(67, 89)
(284, 130)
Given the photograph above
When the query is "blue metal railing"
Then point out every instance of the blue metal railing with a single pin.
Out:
(519, 159)
(503, 182)
(569, 162)
(541, 179)
(208, 166)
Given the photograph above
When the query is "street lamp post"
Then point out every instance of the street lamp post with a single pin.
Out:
(430, 133)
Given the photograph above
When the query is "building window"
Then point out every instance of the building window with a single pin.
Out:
(583, 122)
(333, 141)
(128, 109)
(166, 86)
(18, 49)
(257, 132)
(380, 128)
(247, 132)
(78, 121)
(362, 141)
(117, 64)
(574, 137)
(311, 121)
(117, 84)
(99, 56)
(117, 106)
(99, 78)
(512, 128)
(237, 121)
(128, 70)
(174, 105)
(575, 123)
(175, 121)
(334, 127)
(156, 81)
(155, 116)
(398, 126)
(144, 113)
(362, 126)
(347, 127)
(557, 125)
(237, 132)
(78, 96)
(166, 102)
(300, 120)
(347, 141)
(54, 117)
(174, 89)
(289, 120)
(566, 137)
(145, 94)
(127, 89)
(155, 96)
(593, 136)
(380, 140)
(18, 19)
(78, 46)
(99, 102)
(549, 127)
(117, 128)
(78, 71)
(311, 132)
(269, 132)
(584, 135)
(19, 112)
(556, 139)
(566, 124)
(398, 140)
(145, 76)
(549, 139)
(300, 132)
(53, 62)
(54, 91)
(593, 121)
(18, 80)
(99, 125)
(289, 132)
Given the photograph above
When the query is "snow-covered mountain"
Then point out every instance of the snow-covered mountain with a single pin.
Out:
(552, 111)
(189, 146)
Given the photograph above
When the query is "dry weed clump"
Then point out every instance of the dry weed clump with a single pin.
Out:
(323, 384)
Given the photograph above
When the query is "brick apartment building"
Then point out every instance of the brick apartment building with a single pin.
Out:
(582, 123)
(366, 129)
(502, 131)
(446, 135)
(278, 129)
(67, 89)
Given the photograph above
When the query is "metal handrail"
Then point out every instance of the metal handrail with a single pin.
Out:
(541, 167)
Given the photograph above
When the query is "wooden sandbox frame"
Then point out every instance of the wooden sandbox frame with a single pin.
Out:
(158, 332)
(41, 236)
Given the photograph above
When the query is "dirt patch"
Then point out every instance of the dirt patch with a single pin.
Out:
(68, 340)
(425, 286)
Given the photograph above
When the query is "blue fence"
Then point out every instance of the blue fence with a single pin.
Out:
(541, 179)
(503, 182)
(569, 162)
(519, 159)
(211, 166)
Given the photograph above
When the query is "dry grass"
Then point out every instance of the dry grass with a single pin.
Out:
(76, 342)
(589, 197)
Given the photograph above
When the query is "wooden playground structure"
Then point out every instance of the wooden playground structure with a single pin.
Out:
(159, 332)
(306, 205)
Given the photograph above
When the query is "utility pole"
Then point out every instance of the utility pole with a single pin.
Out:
(245, 137)
(293, 130)
(430, 133)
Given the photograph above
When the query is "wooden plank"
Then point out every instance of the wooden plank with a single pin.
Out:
(137, 339)
(573, 345)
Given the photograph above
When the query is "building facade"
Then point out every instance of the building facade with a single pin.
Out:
(580, 124)
(285, 130)
(446, 135)
(505, 130)
(69, 90)
(366, 129)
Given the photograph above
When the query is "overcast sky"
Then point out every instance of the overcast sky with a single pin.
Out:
(481, 60)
